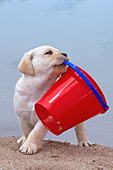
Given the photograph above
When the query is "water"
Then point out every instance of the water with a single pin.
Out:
(82, 28)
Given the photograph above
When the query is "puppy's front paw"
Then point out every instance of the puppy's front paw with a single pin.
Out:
(21, 140)
(29, 148)
(84, 143)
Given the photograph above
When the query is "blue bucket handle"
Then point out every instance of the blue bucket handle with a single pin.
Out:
(105, 107)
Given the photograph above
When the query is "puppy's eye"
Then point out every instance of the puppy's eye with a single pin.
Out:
(49, 52)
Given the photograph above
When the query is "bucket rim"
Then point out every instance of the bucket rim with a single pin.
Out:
(76, 69)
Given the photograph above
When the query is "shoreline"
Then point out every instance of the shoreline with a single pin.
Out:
(55, 155)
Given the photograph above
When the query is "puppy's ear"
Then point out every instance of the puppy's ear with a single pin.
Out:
(26, 66)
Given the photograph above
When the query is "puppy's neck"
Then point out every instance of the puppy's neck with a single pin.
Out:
(44, 81)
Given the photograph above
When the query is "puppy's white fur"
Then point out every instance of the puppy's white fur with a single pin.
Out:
(40, 67)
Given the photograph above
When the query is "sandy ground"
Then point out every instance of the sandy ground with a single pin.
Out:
(55, 156)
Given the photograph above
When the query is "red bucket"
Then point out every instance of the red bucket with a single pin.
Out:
(74, 98)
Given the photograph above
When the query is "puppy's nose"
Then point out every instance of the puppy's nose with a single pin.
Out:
(64, 54)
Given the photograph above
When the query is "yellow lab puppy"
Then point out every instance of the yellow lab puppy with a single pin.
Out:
(40, 67)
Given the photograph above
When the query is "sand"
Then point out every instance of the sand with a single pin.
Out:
(55, 156)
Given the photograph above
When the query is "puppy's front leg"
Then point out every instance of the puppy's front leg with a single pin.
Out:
(26, 128)
(81, 135)
(34, 139)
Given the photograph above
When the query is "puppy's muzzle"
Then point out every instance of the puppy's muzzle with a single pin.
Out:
(66, 56)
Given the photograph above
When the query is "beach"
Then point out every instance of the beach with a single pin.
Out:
(55, 155)
(84, 30)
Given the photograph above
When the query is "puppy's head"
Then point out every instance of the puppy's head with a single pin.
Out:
(42, 60)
